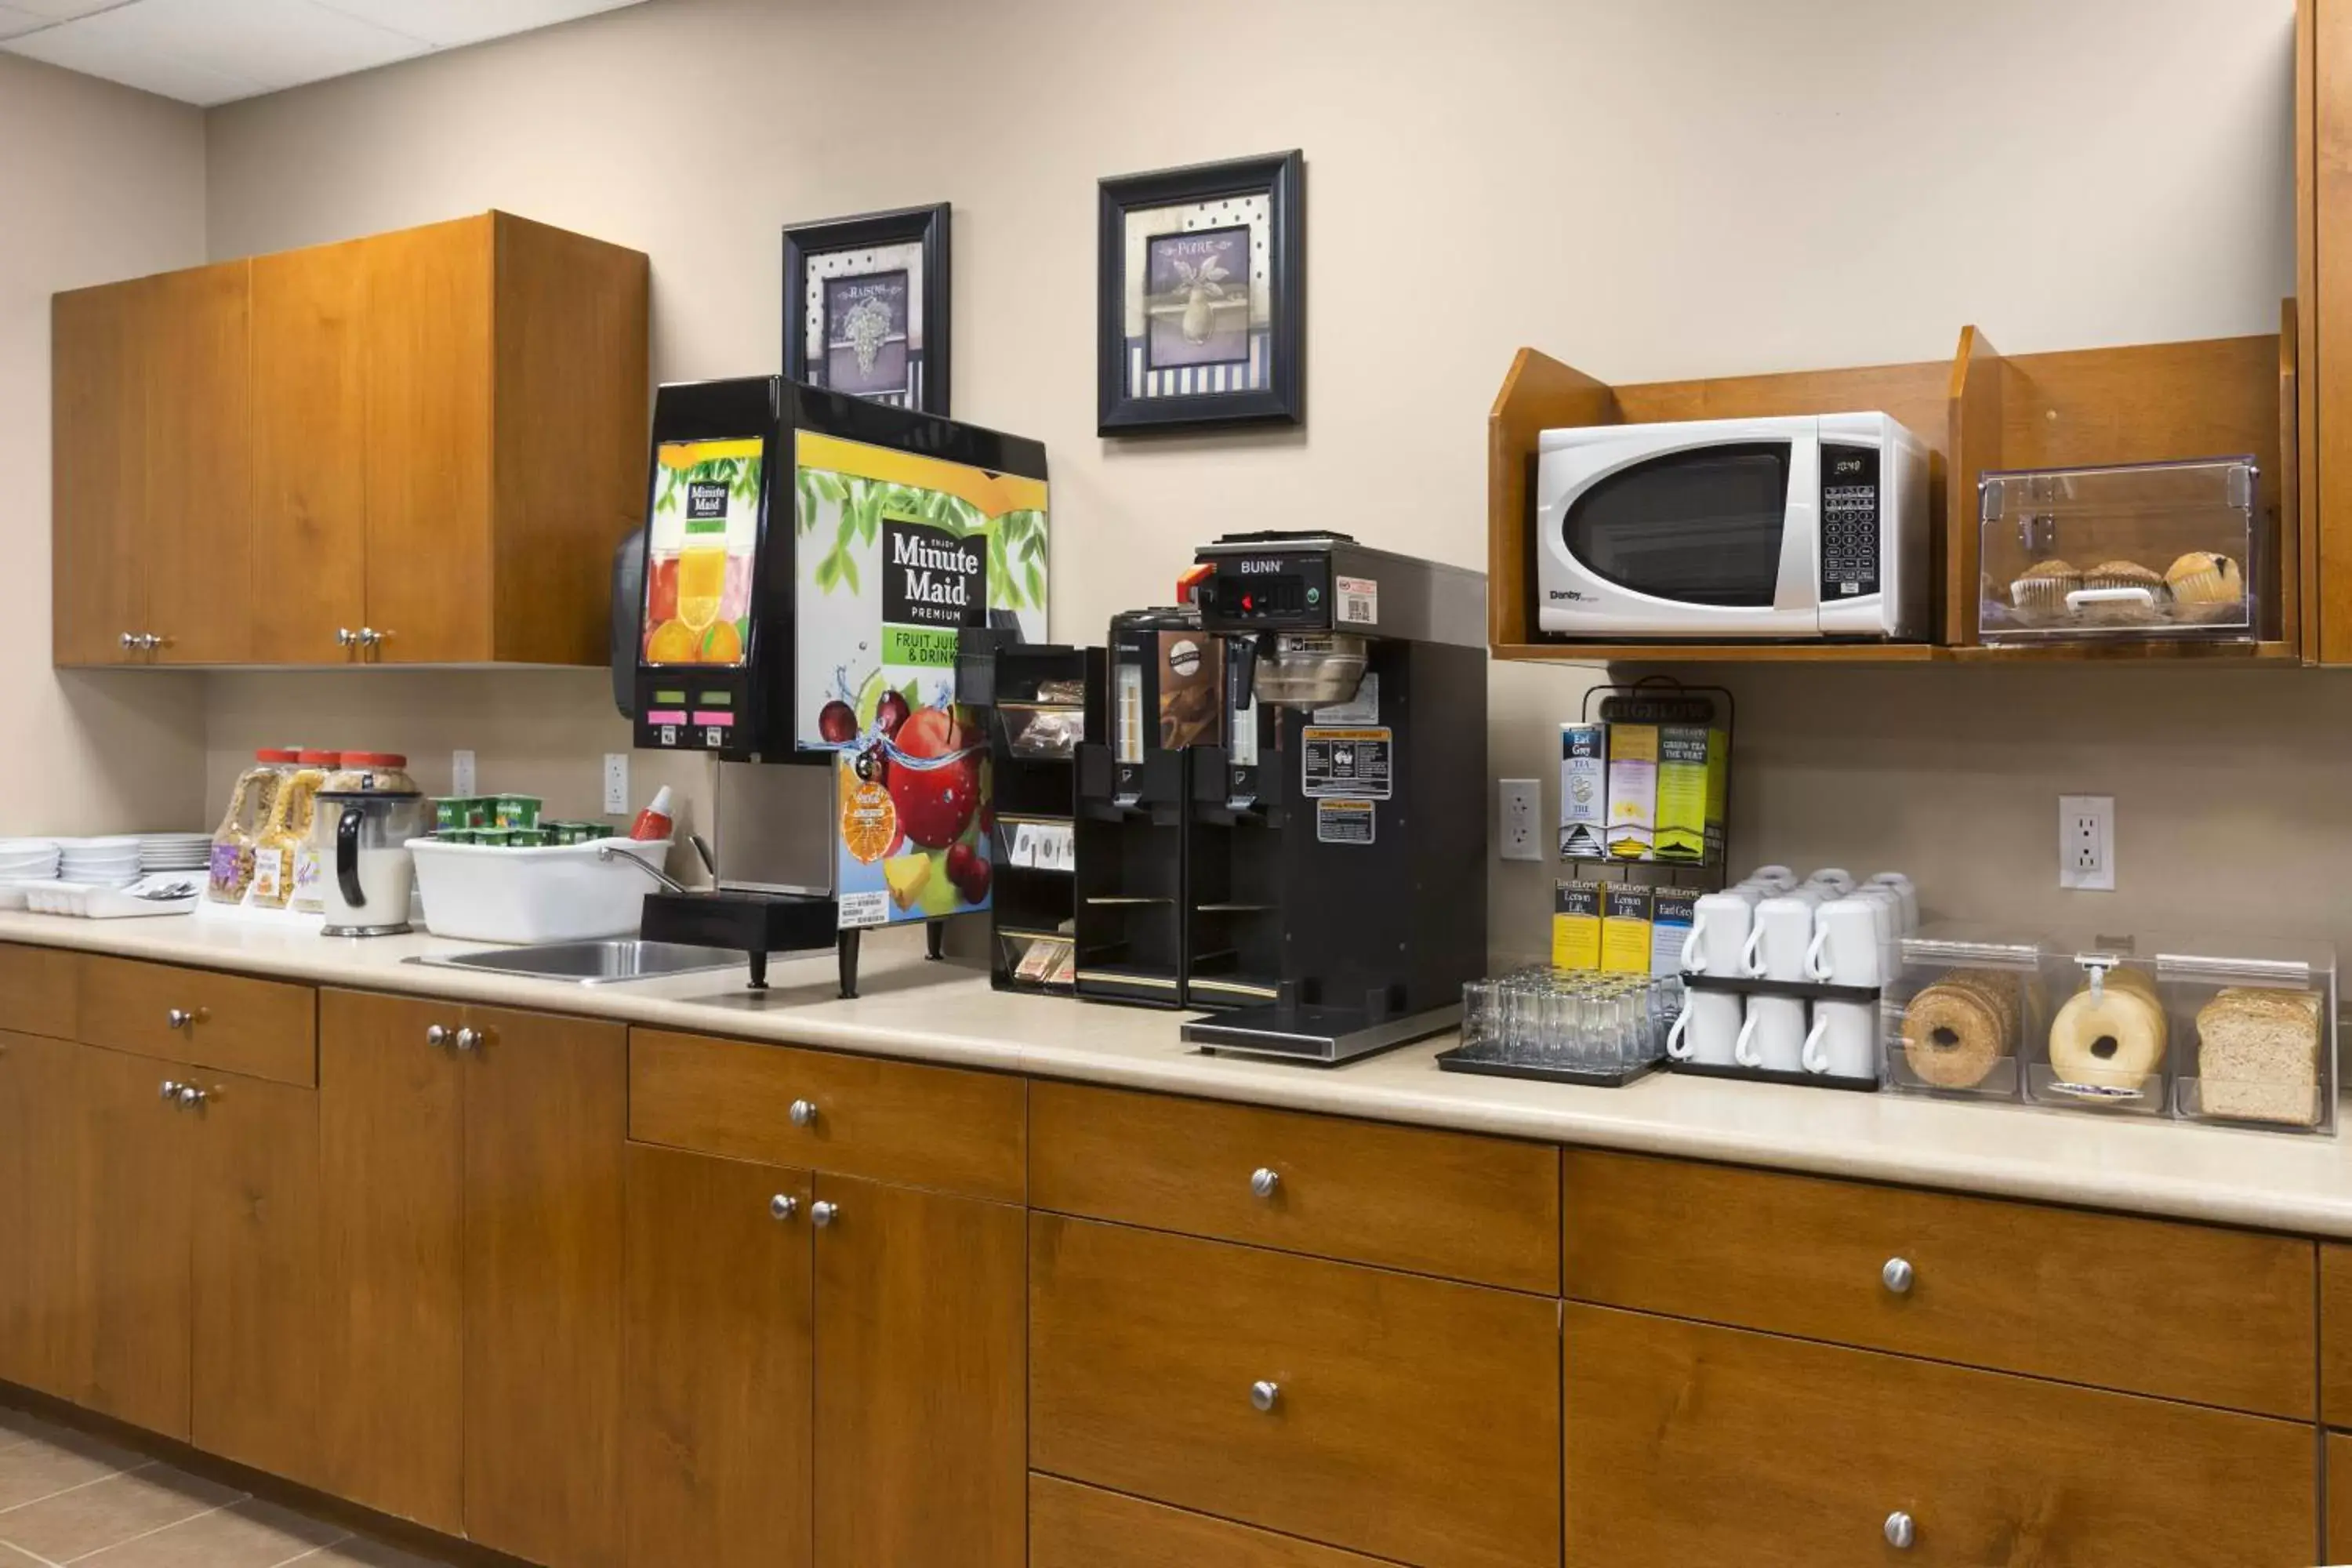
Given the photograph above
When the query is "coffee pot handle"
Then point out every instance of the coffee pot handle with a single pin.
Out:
(347, 858)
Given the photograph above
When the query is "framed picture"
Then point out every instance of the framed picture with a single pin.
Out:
(1203, 281)
(866, 306)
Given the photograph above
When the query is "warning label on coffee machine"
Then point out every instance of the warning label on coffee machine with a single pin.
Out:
(1345, 761)
(1343, 822)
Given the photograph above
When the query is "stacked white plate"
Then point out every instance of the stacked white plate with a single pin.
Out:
(110, 862)
(174, 851)
(28, 859)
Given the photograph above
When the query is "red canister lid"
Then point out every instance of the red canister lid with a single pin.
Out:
(374, 760)
(311, 758)
(276, 754)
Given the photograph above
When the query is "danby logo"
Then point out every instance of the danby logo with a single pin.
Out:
(932, 577)
(705, 498)
(1570, 596)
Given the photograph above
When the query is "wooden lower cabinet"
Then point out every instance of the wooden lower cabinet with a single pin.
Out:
(1693, 1444)
(2338, 1547)
(1072, 1526)
(716, 1403)
(253, 1297)
(391, 1257)
(1405, 1417)
(40, 1137)
(132, 1220)
(546, 1113)
(922, 1374)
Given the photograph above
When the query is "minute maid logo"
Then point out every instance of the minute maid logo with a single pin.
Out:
(706, 499)
(932, 578)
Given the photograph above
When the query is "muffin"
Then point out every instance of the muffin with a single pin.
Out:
(2042, 592)
(2206, 585)
(2123, 574)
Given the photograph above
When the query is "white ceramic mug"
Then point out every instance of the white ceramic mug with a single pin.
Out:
(1844, 1040)
(1903, 891)
(1846, 948)
(1888, 906)
(1780, 878)
(1706, 1030)
(1718, 935)
(1837, 878)
(1777, 943)
(1773, 1034)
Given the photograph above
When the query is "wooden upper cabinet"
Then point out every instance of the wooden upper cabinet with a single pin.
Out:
(310, 415)
(99, 472)
(438, 434)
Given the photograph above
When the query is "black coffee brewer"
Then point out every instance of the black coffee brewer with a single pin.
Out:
(1335, 883)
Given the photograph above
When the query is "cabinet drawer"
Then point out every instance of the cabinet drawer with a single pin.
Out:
(37, 990)
(1410, 1418)
(2185, 1312)
(1071, 1526)
(1483, 1209)
(891, 1122)
(2339, 1546)
(2335, 1334)
(1693, 1444)
(263, 1028)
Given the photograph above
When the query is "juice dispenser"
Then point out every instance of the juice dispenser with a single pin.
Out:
(811, 566)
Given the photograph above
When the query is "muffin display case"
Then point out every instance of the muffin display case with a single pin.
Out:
(2126, 551)
(1964, 1006)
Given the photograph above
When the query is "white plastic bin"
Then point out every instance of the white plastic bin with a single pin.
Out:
(561, 893)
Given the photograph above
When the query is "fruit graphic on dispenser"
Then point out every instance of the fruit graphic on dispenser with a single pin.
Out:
(701, 579)
(935, 804)
(908, 876)
(672, 642)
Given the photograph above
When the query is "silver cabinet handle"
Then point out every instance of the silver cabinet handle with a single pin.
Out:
(1900, 1531)
(371, 638)
(1265, 1180)
(151, 641)
(191, 1096)
(469, 1039)
(804, 1113)
(178, 1018)
(345, 637)
(1265, 1394)
(436, 1034)
(784, 1205)
(170, 1093)
(129, 639)
(822, 1214)
(1898, 1275)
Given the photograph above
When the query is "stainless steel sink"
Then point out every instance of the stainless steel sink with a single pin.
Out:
(608, 962)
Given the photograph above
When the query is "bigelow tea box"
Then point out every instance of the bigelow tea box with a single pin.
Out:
(1632, 792)
(1583, 792)
(1691, 769)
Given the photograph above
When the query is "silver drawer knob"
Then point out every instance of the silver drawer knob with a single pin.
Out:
(1263, 1182)
(1900, 1531)
(437, 1035)
(191, 1096)
(469, 1039)
(345, 637)
(784, 1205)
(1896, 1275)
(804, 1113)
(822, 1214)
(130, 639)
(178, 1018)
(1264, 1395)
(170, 1093)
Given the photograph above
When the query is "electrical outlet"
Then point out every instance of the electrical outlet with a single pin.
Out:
(2086, 842)
(1519, 840)
(461, 773)
(617, 784)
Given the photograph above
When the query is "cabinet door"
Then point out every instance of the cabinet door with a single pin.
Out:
(98, 456)
(197, 535)
(546, 1115)
(390, 1189)
(253, 1298)
(428, 442)
(39, 1148)
(716, 1444)
(921, 1378)
(132, 1240)
(309, 430)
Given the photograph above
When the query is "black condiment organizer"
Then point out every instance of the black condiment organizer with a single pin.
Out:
(1030, 904)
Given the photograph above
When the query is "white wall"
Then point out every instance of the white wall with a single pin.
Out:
(1646, 190)
(96, 183)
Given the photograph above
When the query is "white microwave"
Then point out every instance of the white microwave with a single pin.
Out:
(1810, 526)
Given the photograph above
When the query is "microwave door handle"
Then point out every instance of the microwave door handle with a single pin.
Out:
(1800, 588)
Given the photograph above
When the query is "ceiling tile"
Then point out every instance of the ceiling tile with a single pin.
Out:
(451, 22)
(274, 43)
(132, 65)
(13, 22)
(63, 10)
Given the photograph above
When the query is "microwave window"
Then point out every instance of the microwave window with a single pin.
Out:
(1701, 527)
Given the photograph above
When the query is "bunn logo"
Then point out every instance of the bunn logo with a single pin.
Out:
(1260, 568)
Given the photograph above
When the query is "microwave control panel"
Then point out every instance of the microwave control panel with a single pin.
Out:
(1850, 531)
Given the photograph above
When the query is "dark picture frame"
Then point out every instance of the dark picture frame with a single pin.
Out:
(888, 303)
(1192, 366)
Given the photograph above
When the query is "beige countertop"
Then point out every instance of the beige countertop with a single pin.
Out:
(946, 1012)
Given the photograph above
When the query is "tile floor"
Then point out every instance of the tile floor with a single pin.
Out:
(69, 1497)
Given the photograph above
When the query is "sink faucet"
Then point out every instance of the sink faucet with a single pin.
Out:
(615, 852)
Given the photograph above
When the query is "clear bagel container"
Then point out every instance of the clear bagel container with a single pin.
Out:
(2253, 1033)
(1958, 1015)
